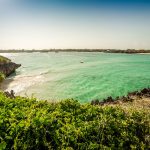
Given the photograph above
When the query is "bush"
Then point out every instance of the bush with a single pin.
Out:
(29, 124)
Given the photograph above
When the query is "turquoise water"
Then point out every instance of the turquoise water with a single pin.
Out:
(56, 76)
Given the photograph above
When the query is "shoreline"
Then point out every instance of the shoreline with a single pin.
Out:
(140, 94)
(5, 84)
(7, 68)
(128, 51)
(130, 97)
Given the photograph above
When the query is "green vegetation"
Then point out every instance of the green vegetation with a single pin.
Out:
(4, 59)
(2, 77)
(30, 124)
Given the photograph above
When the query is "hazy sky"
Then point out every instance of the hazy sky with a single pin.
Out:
(40, 24)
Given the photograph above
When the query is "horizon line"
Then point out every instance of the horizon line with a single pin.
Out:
(76, 49)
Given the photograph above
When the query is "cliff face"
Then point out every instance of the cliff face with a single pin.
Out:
(8, 68)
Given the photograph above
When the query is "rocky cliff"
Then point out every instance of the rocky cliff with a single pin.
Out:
(8, 67)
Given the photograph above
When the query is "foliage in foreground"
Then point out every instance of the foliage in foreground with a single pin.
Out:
(29, 124)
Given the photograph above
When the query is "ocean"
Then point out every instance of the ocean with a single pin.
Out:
(84, 76)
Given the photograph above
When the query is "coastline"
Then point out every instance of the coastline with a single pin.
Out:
(7, 67)
(29, 74)
(79, 123)
(128, 51)
(143, 94)
(5, 83)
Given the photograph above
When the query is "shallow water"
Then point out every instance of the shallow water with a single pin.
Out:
(56, 76)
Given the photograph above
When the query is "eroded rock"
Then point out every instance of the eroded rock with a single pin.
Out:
(8, 68)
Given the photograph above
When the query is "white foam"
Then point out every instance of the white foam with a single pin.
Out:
(21, 83)
(9, 55)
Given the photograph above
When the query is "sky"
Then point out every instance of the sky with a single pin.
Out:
(93, 24)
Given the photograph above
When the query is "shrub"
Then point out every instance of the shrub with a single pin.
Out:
(29, 124)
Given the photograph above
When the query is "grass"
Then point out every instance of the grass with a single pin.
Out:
(29, 124)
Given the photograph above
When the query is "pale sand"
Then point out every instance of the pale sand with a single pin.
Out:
(20, 83)
(4, 85)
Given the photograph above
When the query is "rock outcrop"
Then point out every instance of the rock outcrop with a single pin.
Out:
(144, 93)
(8, 68)
(10, 94)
